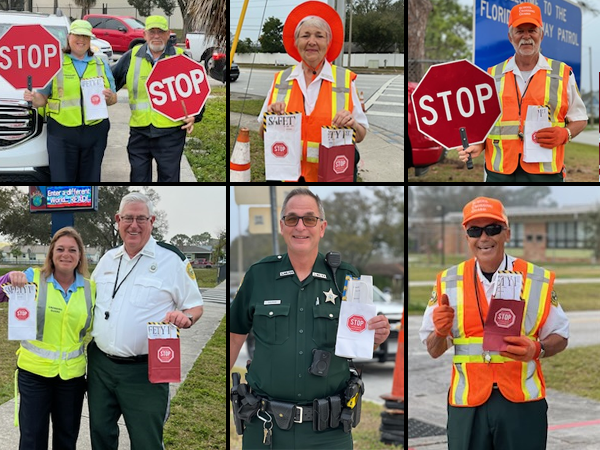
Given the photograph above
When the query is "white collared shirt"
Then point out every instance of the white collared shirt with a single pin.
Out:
(556, 323)
(312, 93)
(160, 282)
(576, 109)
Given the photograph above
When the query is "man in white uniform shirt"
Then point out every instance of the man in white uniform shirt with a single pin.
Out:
(141, 281)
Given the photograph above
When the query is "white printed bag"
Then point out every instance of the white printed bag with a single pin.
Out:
(283, 146)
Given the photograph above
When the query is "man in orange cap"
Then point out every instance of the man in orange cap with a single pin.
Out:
(325, 94)
(493, 395)
(530, 83)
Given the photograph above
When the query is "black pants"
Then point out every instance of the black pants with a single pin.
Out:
(166, 150)
(42, 397)
(76, 153)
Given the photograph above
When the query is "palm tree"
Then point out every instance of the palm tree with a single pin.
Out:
(209, 15)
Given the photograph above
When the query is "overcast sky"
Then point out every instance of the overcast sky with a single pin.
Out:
(190, 210)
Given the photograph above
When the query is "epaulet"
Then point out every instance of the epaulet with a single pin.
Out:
(173, 249)
(268, 259)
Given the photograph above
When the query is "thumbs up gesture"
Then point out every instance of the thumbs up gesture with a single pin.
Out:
(443, 316)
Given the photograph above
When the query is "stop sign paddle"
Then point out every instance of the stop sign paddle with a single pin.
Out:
(29, 50)
(177, 86)
(455, 97)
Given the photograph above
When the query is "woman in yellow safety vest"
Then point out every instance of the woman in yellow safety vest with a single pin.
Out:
(51, 367)
(324, 93)
(77, 133)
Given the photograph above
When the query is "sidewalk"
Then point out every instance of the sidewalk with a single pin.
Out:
(192, 343)
(381, 152)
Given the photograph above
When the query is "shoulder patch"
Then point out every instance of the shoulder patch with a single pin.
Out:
(173, 249)
(554, 299)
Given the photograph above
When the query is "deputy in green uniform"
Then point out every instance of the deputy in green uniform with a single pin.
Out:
(292, 304)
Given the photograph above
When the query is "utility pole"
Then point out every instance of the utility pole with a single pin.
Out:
(340, 7)
(591, 90)
(350, 34)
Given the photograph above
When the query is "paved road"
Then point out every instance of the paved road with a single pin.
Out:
(574, 422)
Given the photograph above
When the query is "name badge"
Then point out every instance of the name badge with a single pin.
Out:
(319, 275)
(286, 273)
(272, 302)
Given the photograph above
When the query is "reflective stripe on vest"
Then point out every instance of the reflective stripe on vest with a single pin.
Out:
(340, 100)
(468, 357)
(142, 114)
(65, 104)
(56, 358)
(503, 141)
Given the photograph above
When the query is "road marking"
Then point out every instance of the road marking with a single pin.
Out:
(390, 103)
(377, 94)
(379, 113)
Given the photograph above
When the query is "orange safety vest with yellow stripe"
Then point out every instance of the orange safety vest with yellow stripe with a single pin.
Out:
(546, 88)
(333, 97)
(473, 377)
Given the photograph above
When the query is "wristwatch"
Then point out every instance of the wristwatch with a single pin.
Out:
(542, 351)
(189, 316)
(570, 137)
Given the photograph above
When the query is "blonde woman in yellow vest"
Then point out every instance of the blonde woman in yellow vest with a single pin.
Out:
(530, 83)
(51, 369)
(76, 145)
(152, 136)
(494, 395)
(325, 94)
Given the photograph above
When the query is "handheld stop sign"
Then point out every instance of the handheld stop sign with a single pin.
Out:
(455, 98)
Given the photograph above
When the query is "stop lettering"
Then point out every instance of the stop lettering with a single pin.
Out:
(21, 57)
(165, 354)
(182, 85)
(357, 323)
(279, 149)
(465, 100)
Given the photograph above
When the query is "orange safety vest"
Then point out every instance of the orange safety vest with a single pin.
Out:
(546, 88)
(472, 377)
(326, 108)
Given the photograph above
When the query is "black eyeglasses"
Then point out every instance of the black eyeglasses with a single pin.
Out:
(490, 230)
(308, 221)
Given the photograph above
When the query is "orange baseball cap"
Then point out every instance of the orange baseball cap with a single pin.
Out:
(525, 13)
(325, 12)
(484, 207)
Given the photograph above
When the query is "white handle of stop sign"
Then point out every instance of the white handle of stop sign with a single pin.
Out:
(460, 94)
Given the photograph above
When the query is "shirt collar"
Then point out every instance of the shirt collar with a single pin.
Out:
(148, 250)
(326, 73)
(542, 64)
(76, 284)
(319, 269)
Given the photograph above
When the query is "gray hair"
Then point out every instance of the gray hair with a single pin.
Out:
(303, 191)
(137, 197)
(315, 22)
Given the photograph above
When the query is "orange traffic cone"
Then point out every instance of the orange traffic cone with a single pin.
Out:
(398, 385)
(362, 101)
(239, 164)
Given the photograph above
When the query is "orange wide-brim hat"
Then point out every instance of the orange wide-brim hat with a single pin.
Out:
(325, 12)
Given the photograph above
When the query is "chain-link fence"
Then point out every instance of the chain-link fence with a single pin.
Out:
(418, 67)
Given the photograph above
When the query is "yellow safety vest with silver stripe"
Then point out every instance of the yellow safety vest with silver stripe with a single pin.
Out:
(340, 100)
(65, 104)
(142, 114)
(504, 135)
(61, 327)
(472, 376)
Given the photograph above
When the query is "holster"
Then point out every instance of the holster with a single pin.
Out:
(236, 404)
(283, 413)
(320, 414)
(335, 406)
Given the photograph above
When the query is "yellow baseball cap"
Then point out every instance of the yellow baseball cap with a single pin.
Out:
(156, 22)
(81, 28)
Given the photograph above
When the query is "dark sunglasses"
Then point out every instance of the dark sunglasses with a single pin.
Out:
(490, 230)
(309, 221)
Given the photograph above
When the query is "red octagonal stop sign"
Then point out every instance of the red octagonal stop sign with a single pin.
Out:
(166, 354)
(452, 96)
(175, 82)
(29, 50)
(279, 149)
(357, 323)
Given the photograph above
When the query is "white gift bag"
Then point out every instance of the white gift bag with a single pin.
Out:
(283, 146)
(354, 339)
(22, 311)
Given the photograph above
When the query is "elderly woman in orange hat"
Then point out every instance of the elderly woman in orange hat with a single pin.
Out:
(76, 142)
(326, 94)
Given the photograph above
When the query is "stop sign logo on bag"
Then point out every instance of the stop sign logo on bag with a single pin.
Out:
(166, 354)
(340, 164)
(22, 314)
(280, 149)
(357, 323)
